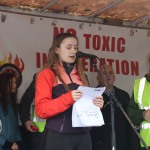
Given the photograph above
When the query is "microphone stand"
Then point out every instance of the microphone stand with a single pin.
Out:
(114, 99)
(113, 140)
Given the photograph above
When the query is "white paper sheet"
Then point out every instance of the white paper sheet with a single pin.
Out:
(84, 112)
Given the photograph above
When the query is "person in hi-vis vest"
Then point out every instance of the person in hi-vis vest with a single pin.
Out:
(139, 108)
(32, 129)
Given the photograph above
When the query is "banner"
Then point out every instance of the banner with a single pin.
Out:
(25, 41)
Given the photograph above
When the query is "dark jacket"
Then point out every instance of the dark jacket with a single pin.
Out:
(101, 136)
(26, 101)
(136, 116)
(134, 112)
(9, 127)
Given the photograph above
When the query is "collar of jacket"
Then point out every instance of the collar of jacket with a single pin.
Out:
(68, 67)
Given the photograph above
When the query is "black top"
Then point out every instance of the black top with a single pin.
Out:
(26, 101)
(101, 136)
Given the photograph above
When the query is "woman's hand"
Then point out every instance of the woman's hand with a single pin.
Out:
(76, 94)
(98, 101)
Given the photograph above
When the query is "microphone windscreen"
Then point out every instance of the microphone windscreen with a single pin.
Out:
(79, 54)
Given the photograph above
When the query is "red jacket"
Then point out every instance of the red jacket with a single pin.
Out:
(53, 102)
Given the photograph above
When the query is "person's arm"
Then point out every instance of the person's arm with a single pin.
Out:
(25, 103)
(135, 114)
(18, 139)
(6, 144)
(44, 104)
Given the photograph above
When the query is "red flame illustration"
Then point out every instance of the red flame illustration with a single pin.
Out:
(17, 62)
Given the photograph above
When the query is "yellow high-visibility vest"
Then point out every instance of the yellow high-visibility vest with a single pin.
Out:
(142, 98)
(39, 122)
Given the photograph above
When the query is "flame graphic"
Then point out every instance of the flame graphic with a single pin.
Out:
(10, 58)
(16, 62)
(3, 61)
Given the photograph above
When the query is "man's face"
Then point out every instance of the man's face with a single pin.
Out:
(108, 75)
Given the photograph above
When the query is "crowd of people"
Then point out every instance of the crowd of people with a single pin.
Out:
(53, 92)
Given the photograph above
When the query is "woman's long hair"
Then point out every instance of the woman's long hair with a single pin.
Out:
(53, 59)
(5, 91)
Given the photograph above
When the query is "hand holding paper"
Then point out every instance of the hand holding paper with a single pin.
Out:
(76, 94)
(84, 112)
(98, 101)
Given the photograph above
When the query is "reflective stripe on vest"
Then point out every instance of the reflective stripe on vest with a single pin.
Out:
(140, 94)
(39, 122)
(145, 125)
(37, 119)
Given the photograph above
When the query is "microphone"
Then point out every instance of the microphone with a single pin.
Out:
(81, 54)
